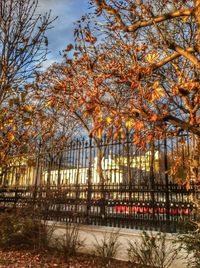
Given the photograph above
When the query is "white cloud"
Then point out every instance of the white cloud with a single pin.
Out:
(68, 11)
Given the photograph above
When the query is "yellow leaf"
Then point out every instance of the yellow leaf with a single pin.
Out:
(152, 57)
(27, 121)
(160, 91)
(122, 135)
(108, 119)
(49, 103)
(28, 108)
(157, 93)
(129, 123)
(10, 121)
(185, 18)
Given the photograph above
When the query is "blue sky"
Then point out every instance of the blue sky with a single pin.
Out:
(68, 11)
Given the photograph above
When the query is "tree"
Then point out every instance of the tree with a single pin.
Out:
(53, 124)
(166, 41)
(23, 47)
(142, 56)
(165, 68)
(140, 52)
(65, 88)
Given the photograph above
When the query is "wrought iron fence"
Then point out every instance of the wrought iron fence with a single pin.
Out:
(107, 182)
(116, 205)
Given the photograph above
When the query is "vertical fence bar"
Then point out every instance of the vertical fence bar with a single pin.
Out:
(77, 183)
(166, 179)
(88, 146)
(36, 175)
(152, 179)
(59, 169)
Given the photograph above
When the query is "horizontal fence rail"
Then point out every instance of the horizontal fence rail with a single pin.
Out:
(116, 205)
(108, 182)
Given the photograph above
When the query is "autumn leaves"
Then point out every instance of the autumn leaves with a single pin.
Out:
(133, 68)
(139, 64)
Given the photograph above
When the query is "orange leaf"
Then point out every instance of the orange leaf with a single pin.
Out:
(115, 136)
(154, 117)
(99, 133)
(139, 126)
(136, 140)
(28, 108)
(10, 136)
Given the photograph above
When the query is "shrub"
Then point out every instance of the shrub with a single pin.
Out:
(152, 251)
(70, 241)
(22, 232)
(108, 246)
(191, 243)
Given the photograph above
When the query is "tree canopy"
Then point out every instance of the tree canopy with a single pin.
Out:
(142, 56)
(23, 47)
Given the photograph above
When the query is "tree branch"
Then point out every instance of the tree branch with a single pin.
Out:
(185, 54)
(184, 125)
(171, 57)
(154, 20)
(158, 19)
(134, 27)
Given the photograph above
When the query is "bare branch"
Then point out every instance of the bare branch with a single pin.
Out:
(170, 58)
(134, 27)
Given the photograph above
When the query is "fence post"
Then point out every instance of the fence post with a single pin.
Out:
(102, 180)
(59, 169)
(89, 191)
(36, 175)
(152, 182)
(130, 183)
(166, 178)
(77, 186)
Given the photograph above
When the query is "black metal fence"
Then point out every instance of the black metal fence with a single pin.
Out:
(111, 183)
(116, 205)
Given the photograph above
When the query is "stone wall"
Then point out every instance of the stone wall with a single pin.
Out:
(88, 234)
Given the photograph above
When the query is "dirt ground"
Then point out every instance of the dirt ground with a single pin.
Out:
(27, 259)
